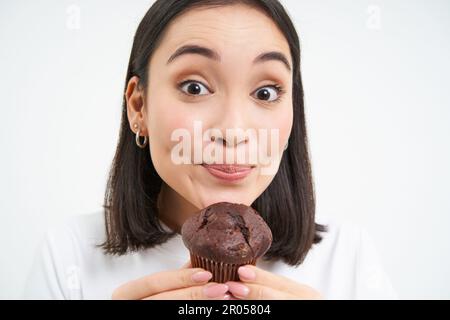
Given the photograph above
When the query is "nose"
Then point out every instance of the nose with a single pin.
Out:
(228, 141)
(232, 124)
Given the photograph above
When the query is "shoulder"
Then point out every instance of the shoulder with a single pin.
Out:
(350, 252)
(82, 228)
(73, 238)
(340, 233)
(333, 257)
(344, 265)
(67, 243)
(345, 243)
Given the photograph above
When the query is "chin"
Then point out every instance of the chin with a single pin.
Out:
(215, 196)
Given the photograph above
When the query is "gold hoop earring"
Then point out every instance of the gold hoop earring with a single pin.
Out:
(138, 142)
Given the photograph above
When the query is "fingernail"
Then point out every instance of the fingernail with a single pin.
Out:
(238, 289)
(201, 276)
(246, 273)
(214, 290)
(227, 297)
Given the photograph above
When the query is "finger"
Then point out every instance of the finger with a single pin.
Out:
(215, 291)
(253, 274)
(250, 291)
(187, 265)
(162, 281)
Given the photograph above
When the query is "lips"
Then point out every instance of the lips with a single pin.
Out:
(228, 168)
(228, 172)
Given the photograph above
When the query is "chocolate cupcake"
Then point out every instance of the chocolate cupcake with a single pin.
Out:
(224, 236)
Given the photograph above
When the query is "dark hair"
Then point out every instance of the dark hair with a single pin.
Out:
(287, 205)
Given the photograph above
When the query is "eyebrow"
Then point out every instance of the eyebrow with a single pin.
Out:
(273, 56)
(213, 55)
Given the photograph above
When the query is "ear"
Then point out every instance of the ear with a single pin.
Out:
(134, 96)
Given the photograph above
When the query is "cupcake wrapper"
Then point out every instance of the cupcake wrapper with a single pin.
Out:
(222, 272)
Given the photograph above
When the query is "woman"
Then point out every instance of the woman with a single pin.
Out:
(223, 65)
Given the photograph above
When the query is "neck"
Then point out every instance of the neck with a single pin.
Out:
(173, 208)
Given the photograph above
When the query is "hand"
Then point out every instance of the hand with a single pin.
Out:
(258, 284)
(186, 283)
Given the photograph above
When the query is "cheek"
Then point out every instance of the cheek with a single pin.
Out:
(280, 120)
(165, 115)
(283, 121)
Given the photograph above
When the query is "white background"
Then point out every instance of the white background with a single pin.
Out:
(376, 77)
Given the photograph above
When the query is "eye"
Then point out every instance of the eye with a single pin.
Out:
(270, 93)
(194, 88)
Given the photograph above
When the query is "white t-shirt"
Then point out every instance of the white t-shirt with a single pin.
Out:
(70, 265)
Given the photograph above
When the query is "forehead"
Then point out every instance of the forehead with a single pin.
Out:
(227, 29)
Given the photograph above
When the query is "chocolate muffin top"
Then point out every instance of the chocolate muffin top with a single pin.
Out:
(227, 232)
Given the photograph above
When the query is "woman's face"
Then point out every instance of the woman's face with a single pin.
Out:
(224, 91)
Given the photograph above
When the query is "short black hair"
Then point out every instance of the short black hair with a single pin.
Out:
(288, 203)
